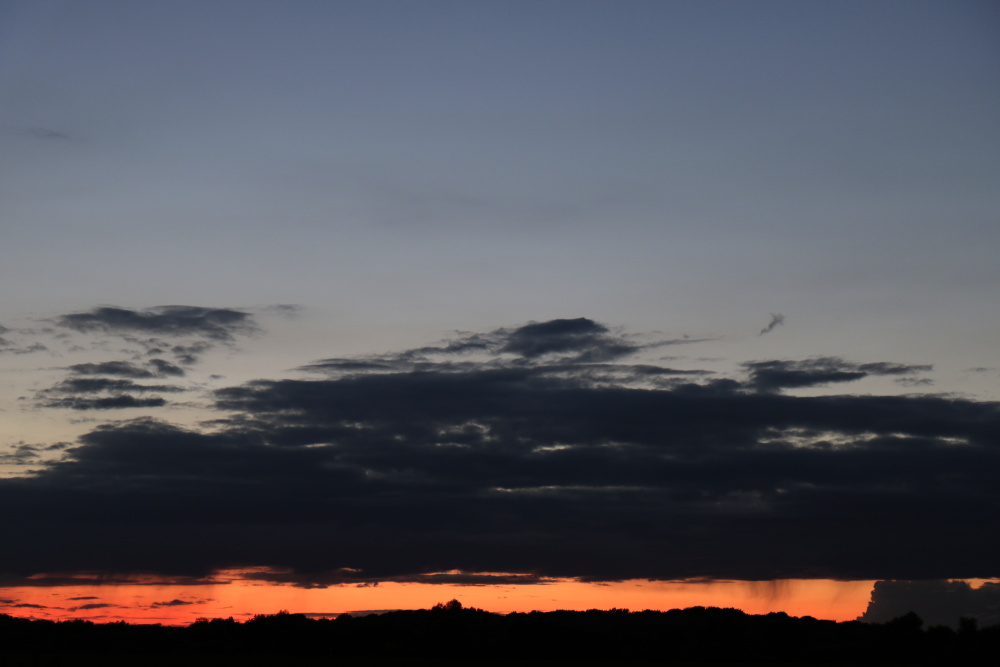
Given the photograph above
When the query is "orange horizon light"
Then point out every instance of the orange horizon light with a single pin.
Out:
(146, 598)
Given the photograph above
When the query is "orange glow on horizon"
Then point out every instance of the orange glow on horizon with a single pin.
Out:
(148, 600)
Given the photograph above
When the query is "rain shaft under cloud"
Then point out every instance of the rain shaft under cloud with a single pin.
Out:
(542, 450)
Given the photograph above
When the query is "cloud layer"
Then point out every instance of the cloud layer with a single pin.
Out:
(181, 332)
(538, 451)
(937, 602)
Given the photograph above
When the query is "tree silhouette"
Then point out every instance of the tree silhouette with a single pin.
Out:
(451, 605)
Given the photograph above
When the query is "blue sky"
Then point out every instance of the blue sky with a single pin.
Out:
(658, 165)
(369, 178)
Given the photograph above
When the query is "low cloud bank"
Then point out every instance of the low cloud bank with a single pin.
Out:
(940, 602)
(544, 450)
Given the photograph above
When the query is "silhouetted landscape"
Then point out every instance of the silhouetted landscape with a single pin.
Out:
(449, 632)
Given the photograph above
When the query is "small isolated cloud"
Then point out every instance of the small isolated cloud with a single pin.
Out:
(937, 602)
(92, 605)
(84, 597)
(287, 310)
(218, 324)
(172, 603)
(777, 319)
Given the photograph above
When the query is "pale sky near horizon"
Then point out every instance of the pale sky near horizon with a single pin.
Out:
(799, 198)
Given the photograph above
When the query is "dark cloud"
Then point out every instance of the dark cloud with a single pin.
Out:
(163, 368)
(556, 345)
(473, 579)
(90, 385)
(187, 355)
(171, 603)
(21, 454)
(156, 368)
(100, 393)
(356, 577)
(885, 368)
(185, 332)
(117, 368)
(10, 347)
(92, 605)
(218, 324)
(777, 319)
(84, 597)
(353, 612)
(514, 452)
(937, 602)
(103, 403)
(584, 339)
(98, 578)
(776, 375)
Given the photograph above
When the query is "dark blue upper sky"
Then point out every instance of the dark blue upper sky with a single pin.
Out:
(681, 165)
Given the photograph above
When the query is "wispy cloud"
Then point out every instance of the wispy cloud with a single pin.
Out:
(44, 133)
(777, 319)
(153, 369)
(775, 375)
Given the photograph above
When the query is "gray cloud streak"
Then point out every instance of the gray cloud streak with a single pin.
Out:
(777, 319)
(218, 324)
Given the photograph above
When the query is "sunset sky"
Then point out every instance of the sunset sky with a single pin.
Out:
(353, 306)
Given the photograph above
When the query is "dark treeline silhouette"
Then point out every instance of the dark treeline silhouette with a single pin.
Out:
(697, 635)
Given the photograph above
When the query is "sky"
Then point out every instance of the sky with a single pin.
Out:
(358, 306)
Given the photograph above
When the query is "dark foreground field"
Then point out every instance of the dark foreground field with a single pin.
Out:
(451, 635)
